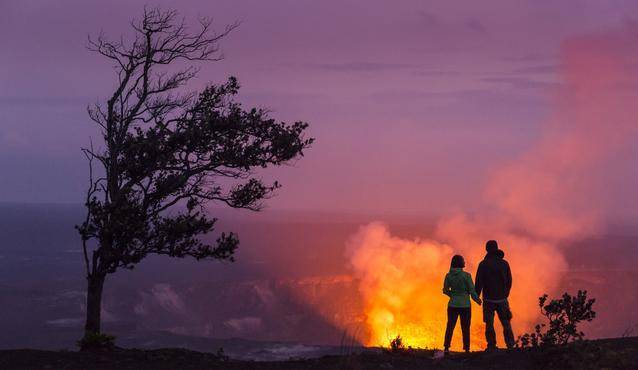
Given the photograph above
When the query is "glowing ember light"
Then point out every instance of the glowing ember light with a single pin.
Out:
(401, 283)
(397, 282)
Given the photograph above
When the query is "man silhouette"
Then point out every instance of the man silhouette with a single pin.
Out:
(494, 280)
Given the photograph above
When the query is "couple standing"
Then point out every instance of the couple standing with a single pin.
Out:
(494, 280)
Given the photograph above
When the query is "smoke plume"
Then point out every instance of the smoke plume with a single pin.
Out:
(553, 193)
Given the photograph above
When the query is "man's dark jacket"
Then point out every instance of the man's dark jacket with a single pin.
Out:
(493, 278)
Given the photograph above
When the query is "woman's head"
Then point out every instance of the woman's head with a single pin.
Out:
(457, 262)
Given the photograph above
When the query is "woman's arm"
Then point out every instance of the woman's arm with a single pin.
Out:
(447, 290)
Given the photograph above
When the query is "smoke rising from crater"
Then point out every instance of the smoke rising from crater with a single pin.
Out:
(555, 192)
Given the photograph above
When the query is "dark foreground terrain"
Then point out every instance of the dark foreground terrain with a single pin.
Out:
(619, 353)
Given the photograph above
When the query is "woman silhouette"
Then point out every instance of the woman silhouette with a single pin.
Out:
(459, 287)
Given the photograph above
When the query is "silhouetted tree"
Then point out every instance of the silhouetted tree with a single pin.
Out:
(165, 152)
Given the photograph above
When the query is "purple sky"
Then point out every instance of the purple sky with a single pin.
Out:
(411, 102)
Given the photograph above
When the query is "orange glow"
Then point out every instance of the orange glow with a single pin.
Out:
(401, 282)
(551, 193)
(400, 286)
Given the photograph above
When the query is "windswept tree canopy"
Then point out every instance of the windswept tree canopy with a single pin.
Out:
(167, 153)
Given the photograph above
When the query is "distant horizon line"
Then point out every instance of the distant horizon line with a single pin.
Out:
(362, 212)
(617, 221)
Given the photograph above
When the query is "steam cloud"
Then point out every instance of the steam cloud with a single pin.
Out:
(553, 193)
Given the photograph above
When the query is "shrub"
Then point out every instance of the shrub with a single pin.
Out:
(397, 345)
(221, 355)
(563, 316)
(96, 341)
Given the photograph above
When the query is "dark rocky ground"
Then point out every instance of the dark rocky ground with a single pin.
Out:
(618, 353)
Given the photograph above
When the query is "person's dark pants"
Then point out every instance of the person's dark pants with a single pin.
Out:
(466, 317)
(504, 313)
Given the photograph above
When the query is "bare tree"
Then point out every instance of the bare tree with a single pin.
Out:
(165, 152)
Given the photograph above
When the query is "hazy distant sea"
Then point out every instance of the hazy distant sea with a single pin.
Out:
(163, 303)
(251, 308)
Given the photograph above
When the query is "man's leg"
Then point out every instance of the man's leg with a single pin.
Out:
(452, 316)
(488, 318)
(466, 319)
(505, 316)
(508, 334)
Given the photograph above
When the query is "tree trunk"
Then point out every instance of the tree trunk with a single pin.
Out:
(94, 303)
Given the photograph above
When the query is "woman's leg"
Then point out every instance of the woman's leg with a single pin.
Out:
(452, 316)
(466, 319)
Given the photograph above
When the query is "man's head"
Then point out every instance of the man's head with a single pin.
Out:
(491, 246)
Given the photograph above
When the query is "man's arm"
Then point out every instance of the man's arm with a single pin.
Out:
(478, 283)
(508, 279)
(471, 290)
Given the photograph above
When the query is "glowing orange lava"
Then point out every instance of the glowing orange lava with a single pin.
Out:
(401, 284)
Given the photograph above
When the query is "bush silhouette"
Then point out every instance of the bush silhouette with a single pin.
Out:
(563, 316)
(397, 345)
